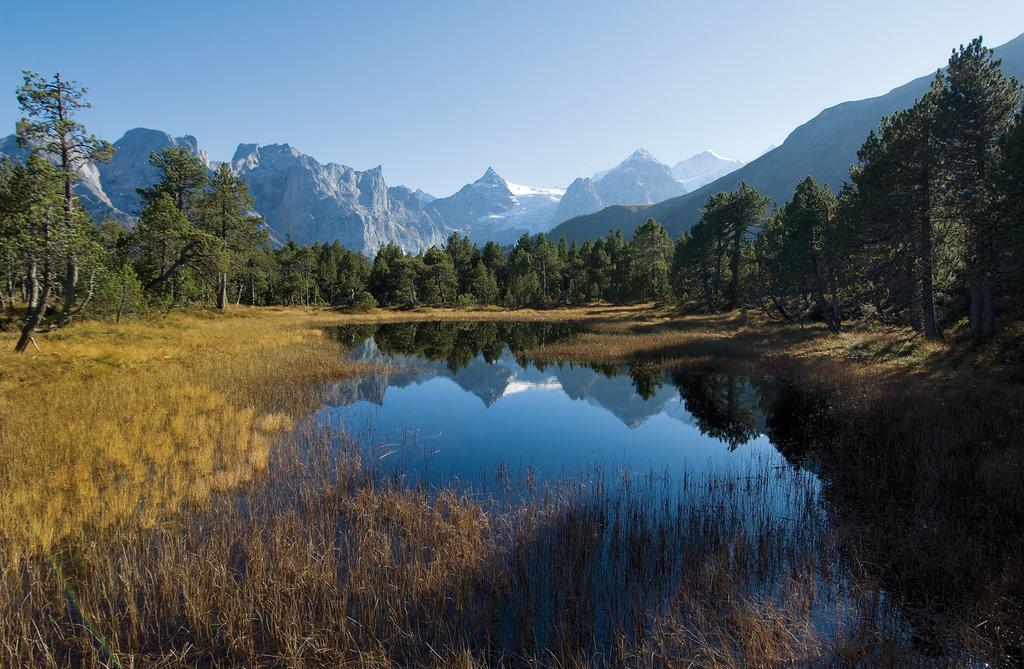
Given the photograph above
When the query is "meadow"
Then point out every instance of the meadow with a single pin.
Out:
(164, 503)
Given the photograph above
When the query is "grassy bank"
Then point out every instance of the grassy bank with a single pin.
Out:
(161, 466)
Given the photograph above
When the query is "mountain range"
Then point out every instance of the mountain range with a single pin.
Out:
(504, 376)
(825, 147)
(307, 201)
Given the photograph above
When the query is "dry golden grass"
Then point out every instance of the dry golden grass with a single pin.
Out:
(164, 410)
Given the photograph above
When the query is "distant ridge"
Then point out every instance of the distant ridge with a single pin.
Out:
(824, 147)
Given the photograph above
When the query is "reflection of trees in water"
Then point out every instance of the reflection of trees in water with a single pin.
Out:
(456, 342)
(796, 419)
(647, 378)
(723, 406)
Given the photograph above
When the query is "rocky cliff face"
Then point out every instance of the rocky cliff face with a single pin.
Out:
(109, 189)
(580, 198)
(306, 201)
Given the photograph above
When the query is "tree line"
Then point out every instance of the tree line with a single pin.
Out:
(928, 231)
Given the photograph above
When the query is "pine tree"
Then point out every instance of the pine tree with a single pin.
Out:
(798, 250)
(31, 216)
(975, 107)
(439, 283)
(652, 251)
(224, 212)
(182, 176)
(896, 206)
(1008, 187)
(50, 128)
(168, 243)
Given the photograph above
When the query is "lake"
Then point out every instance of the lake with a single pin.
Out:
(458, 401)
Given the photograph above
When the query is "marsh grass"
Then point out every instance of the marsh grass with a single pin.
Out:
(326, 563)
(162, 465)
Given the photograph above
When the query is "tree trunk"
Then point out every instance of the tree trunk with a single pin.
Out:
(120, 304)
(988, 321)
(70, 290)
(222, 290)
(32, 319)
(67, 167)
(928, 321)
(822, 305)
(31, 285)
(734, 268)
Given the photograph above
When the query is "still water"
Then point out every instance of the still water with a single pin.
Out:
(458, 401)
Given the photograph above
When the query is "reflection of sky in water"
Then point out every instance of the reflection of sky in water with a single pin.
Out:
(560, 420)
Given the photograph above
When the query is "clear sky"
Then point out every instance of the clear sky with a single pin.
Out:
(436, 91)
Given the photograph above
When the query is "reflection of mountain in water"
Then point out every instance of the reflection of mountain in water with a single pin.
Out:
(618, 395)
(497, 372)
(486, 360)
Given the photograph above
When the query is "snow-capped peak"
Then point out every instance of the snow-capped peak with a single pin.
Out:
(711, 153)
(519, 190)
(703, 168)
(641, 154)
(490, 177)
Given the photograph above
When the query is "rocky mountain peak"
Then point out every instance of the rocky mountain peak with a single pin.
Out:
(491, 178)
(641, 155)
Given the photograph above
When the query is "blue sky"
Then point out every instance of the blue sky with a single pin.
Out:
(437, 91)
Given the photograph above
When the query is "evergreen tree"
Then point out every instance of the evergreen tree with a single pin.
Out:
(31, 218)
(746, 212)
(50, 128)
(167, 243)
(484, 285)
(975, 108)
(439, 283)
(651, 256)
(384, 275)
(1008, 187)
(464, 255)
(224, 213)
(800, 252)
(182, 176)
(894, 203)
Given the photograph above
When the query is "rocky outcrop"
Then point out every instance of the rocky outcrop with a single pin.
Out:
(639, 179)
(129, 169)
(306, 201)
(580, 198)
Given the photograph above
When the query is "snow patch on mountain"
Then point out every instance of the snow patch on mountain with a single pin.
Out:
(703, 168)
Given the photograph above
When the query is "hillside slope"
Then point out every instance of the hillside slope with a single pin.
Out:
(825, 147)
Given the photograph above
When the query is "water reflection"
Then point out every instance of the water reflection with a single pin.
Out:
(468, 398)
